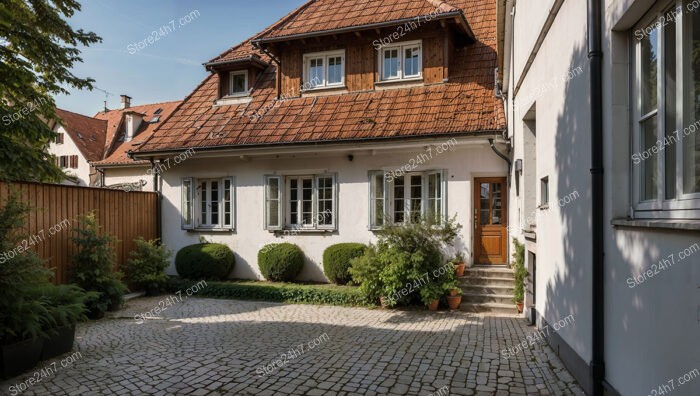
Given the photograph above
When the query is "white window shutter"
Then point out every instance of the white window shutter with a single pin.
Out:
(273, 203)
(187, 204)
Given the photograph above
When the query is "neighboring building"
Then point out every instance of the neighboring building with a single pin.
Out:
(127, 128)
(80, 141)
(93, 150)
(650, 90)
(378, 108)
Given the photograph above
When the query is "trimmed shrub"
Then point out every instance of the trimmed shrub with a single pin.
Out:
(145, 269)
(336, 261)
(278, 292)
(210, 261)
(280, 261)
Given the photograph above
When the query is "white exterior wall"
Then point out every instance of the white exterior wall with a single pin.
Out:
(652, 330)
(70, 148)
(462, 163)
(119, 175)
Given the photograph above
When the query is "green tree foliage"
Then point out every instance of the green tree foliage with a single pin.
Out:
(37, 53)
(520, 271)
(145, 269)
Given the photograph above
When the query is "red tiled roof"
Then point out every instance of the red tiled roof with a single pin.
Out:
(115, 148)
(464, 105)
(87, 133)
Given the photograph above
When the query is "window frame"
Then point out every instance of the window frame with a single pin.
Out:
(401, 47)
(376, 223)
(285, 204)
(682, 205)
(544, 192)
(325, 55)
(246, 90)
(194, 201)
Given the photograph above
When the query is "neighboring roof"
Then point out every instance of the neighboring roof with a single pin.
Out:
(87, 133)
(116, 149)
(326, 15)
(464, 105)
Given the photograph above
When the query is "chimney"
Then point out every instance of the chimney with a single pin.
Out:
(126, 101)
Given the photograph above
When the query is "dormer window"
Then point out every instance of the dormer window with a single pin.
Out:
(402, 61)
(324, 69)
(238, 83)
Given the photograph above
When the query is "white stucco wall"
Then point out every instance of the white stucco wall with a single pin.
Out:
(70, 148)
(462, 162)
(652, 330)
(119, 175)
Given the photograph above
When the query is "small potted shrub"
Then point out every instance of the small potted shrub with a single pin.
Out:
(209, 261)
(93, 268)
(520, 275)
(145, 269)
(454, 293)
(459, 264)
(430, 295)
(65, 308)
(280, 262)
(336, 261)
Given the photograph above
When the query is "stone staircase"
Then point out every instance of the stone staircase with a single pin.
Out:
(488, 289)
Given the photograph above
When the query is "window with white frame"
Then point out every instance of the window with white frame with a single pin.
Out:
(666, 85)
(406, 198)
(208, 203)
(401, 61)
(301, 202)
(324, 69)
(238, 83)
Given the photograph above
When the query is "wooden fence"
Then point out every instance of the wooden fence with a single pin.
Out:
(57, 208)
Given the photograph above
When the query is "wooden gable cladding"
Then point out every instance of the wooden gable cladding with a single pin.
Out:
(361, 55)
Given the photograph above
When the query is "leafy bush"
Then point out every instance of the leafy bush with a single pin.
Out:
(280, 261)
(93, 267)
(336, 261)
(520, 272)
(210, 261)
(406, 258)
(65, 304)
(277, 292)
(145, 269)
(22, 315)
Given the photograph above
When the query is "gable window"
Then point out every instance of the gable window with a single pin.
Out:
(666, 141)
(324, 69)
(207, 203)
(401, 61)
(59, 138)
(238, 83)
(406, 198)
(67, 161)
(301, 202)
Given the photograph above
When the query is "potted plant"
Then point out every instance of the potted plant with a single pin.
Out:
(22, 315)
(459, 264)
(65, 308)
(145, 269)
(454, 298)
(430, 295)
(520, 275)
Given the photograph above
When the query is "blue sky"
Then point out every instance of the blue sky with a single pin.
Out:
(171, 67)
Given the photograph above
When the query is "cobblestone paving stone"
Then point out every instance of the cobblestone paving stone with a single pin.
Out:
(219, 347)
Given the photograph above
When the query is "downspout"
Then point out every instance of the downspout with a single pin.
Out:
(102, 177)
(159, 198)
(277, 61)
(500, 154)
(595, 56)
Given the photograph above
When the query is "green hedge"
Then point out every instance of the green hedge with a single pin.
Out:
(280, 262)
(336, 261)
(277, 292)
(213, 261)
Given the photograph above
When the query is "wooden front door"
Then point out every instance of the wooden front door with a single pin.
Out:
(490, 221)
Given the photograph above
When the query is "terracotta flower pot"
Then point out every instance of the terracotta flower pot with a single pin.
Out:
(459, 269)
(454, 292)
(383, 302)
(520, 307)
(454, 301)
(433, 306)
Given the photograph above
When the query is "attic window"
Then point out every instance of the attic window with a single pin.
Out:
(155, 119)
(324, 69)
(401, 61)
(158, 111)
(238, 83)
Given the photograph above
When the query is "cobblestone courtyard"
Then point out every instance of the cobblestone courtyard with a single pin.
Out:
(204, 346)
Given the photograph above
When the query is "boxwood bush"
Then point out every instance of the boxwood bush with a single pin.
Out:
(336, 261)
(278, 292)
(280, 261)
(210, 261)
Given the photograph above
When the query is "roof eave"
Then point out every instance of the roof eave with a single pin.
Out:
(462, 21)
(253, 60)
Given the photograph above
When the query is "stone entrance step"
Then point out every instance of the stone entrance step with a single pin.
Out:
(488, 289)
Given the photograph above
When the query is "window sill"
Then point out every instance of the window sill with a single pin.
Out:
(331, 90)
(543, 207)
(400, 83)
(296, 231)
(217, 230)
(233, 100)
(675, 225)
